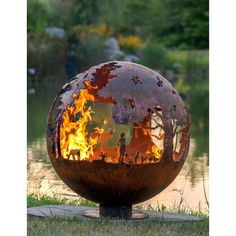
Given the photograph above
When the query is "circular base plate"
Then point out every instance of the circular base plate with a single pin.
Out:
(65, 211)
(136, 215)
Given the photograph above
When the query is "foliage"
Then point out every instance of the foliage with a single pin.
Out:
(143, 18)
(37, 17)
(102, 30)
(187, 25)
(86, 11)
(47, 56)
(154, 55)
(147, 28)
(131, 41)
(193, 81)
(191, 63)
(90, 51)
(176, 23)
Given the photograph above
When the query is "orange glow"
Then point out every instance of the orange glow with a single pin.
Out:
(77, 144)
(157, 152)
(73, 134)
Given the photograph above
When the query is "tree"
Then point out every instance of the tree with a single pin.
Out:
(175, 23)
(187, 24)
(85, 11)
(37, 17)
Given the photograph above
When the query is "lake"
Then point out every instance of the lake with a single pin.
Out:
(189, 189)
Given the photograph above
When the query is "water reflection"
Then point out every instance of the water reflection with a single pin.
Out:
(42, 178)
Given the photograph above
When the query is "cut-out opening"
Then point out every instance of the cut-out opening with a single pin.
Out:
(86, 131)
(178, 140)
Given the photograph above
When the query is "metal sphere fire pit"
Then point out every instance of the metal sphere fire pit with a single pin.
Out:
(118, 134)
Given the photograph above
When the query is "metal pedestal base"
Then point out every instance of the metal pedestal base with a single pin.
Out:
(115, 212)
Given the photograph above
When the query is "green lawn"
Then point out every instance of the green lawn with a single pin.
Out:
(75, 226)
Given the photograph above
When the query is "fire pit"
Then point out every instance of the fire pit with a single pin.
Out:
(118, 134)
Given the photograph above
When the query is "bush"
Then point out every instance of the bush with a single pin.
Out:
(131, 43)
(90, 52)
(47, 56)
(154, 55)
(37, 18)
(191, 62)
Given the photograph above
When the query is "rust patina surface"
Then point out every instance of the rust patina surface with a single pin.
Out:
(144, 159)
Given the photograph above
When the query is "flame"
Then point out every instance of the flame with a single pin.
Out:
(77, 144)
(156, 151)
(73, 134)
(89, 85)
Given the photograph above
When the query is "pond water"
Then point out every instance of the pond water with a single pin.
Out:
(189, 189)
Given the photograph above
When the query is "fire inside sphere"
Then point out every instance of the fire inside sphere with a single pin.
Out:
(118, 134)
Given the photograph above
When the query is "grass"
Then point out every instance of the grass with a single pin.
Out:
(76, 226)
(34, 200)
(193, 64)
(199, 57)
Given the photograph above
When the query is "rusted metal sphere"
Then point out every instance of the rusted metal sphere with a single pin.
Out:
(118, 134)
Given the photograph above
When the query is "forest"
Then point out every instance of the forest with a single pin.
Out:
(151, 30)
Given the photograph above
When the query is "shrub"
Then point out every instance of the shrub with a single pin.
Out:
(47, 56)
(154, 55)
(130, 43)
(90, 52)
(37, 18)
